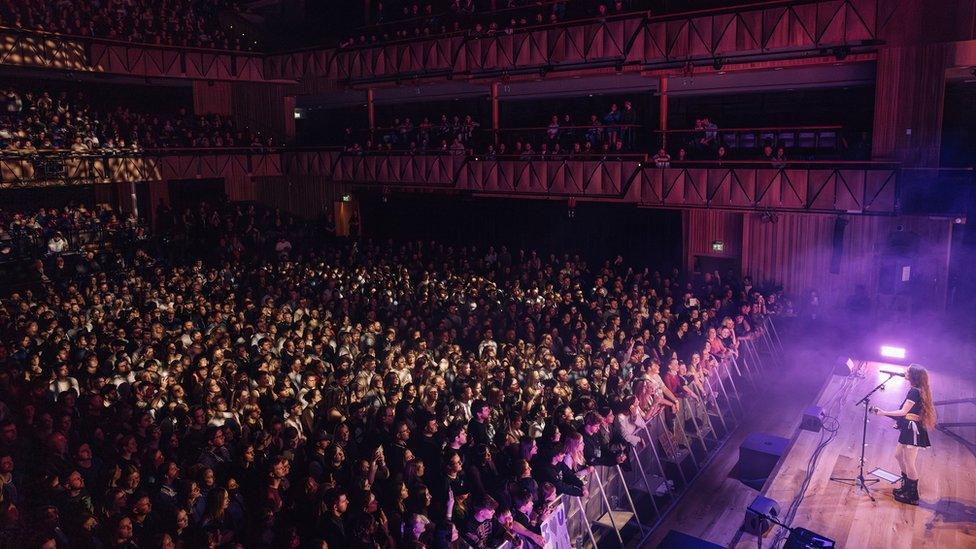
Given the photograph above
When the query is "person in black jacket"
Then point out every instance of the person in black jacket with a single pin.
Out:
(333, 525)
(479, 529)
(450, 486)
(427, 445)
(596, 447)
(552, 468)
(479, 432)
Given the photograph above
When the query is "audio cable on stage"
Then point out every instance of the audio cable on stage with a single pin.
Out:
(830, 426)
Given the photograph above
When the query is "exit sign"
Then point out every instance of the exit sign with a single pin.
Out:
(718, 246)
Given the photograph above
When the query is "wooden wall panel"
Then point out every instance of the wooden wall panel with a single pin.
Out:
(158, 194)
(795, 251)
(265, 109)
(909, 100)
(702, 227)
(308, 196)
(211, 97)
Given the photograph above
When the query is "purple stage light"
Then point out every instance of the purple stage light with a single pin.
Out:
(890, 351)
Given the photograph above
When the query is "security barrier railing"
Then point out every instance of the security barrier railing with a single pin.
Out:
(629, 503)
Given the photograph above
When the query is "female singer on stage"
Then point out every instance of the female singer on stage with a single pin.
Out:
(915, 417)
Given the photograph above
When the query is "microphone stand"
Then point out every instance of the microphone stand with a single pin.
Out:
(859, 481)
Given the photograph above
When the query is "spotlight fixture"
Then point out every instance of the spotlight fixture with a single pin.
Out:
(718, 63)
(841, 52)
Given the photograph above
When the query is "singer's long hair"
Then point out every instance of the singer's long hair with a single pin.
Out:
(918, 376)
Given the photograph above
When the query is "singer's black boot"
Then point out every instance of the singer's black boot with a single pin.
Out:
(910, 495)
(901, 489)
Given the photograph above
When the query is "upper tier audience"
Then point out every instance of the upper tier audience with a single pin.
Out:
(610, 133)
(190, 23)
(265, 390)
(32, 121)
(410, 19)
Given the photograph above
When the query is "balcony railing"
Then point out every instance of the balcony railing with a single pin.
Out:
(60, 167)
(789, 27)
(738, 33)
(812, 186)
(80, 53)
(827, 186)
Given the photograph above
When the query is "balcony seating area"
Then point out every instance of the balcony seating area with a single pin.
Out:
(33, 119)
(414, 20)
(184, 23)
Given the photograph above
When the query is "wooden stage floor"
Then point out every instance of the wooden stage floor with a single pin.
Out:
(946, 514)
(945, 517)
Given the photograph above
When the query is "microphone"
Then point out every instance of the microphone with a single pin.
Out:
(890, 373)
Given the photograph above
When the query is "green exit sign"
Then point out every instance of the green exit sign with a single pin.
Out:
(718, 246)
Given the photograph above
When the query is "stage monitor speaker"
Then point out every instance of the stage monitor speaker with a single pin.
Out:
(843, 366)
(812, 419)
(680, 540)
(757, 524)
(801, 538)
(758, 455)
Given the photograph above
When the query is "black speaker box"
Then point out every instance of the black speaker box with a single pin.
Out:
(755, 523)
(801, 538)
(680, 540)
(758, 455)
(812, 419)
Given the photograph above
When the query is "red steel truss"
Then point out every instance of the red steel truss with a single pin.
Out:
(642, 39)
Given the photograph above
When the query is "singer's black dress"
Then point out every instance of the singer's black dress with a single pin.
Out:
(913, 433)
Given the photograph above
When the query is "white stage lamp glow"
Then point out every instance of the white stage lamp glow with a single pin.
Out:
(890, 351)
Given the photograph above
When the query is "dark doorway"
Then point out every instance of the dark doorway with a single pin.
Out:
(32, 198)
(186, 193)
(711, 263)
(598, 231)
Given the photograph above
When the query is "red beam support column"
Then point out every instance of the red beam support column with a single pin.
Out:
(494, 112)
(663, 111)
(371, 112)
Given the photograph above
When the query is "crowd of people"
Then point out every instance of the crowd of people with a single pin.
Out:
(267, 387)
(613, 133)
(53, 231)
(457, 135)
(189, 23)
(42, 120)
(414, 20)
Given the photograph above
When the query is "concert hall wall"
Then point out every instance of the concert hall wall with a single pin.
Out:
(597, 230)
(794, 250)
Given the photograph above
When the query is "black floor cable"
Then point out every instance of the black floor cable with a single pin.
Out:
(830, 426)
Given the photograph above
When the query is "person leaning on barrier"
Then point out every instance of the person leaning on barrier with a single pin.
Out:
(57, 244)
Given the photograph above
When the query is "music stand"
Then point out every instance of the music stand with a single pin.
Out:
(859, 481)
